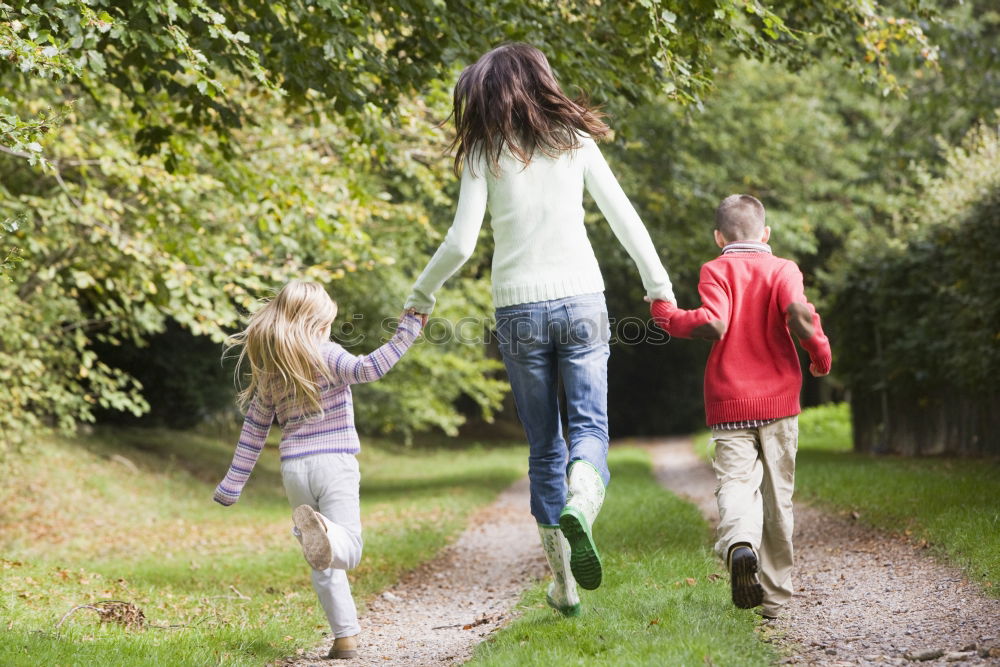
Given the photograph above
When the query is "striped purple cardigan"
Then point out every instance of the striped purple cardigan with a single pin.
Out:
(303, 435)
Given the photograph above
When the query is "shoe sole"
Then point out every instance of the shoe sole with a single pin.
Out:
(584, 561)
(315, 544)
(568, 612)
(747, 591)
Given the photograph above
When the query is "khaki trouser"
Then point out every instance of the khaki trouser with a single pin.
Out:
(756, 472)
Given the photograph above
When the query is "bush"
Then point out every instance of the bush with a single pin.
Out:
(917, 313)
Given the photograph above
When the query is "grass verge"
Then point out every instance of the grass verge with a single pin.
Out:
(664, 599)
(948, 504)
(127, 515)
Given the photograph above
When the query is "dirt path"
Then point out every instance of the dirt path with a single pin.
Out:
(439, 612)
(861, 597)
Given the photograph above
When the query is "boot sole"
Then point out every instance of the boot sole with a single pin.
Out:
(568, 612)
(747, 591)
(315, 544)
(584, 561)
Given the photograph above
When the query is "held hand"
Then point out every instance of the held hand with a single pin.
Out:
(816, 372)
(422, 316)
(669, 306)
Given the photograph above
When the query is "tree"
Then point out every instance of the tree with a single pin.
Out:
(918, 312)
(829, 157)
(175, 160)
(176, 63)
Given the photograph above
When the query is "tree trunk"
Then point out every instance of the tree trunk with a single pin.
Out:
(944, 424)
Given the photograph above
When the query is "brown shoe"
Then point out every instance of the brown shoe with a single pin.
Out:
(344, 648)
(311, 532)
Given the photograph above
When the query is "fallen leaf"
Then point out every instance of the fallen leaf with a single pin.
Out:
(655, 621)
(691, 581)
(715, 576)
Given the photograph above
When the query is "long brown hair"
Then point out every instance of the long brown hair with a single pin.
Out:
(509, 99)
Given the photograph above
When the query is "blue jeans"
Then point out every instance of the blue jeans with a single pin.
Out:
(540, 343)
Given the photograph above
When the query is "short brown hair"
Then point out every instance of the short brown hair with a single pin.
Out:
(740, 218)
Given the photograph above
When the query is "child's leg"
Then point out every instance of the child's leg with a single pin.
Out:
(336, 485)
(739, 471)
(329, 484)
(334, 593)
(529, 356)
(561, 594)
(779, 442)
(582, 333)
(582, 344)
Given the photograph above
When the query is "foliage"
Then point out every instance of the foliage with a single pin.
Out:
(175, 160)
(171, 60)
(765, 131)
(115, 245)
(921, 297)
(828, 158)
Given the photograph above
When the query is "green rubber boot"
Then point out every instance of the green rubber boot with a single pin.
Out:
(583, 503)
(562, 595)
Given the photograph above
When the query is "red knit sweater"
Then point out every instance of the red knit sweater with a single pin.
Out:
(753, 370)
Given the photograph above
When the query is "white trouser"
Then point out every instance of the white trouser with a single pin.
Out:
(329, 484)
(756, 472)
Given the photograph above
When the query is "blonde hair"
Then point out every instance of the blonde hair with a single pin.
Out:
(281, 343)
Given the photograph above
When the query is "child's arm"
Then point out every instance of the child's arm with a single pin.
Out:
(370, 367)
(256, 426)
(804, 322)
(709, 321)
(458, 244)
(625, 223)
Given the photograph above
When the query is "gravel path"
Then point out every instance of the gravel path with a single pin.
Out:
(439, 612)
(862, 597)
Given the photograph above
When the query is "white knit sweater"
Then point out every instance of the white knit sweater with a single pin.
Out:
(541, 247)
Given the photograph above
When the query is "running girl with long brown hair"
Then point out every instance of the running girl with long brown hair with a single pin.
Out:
(526, 152)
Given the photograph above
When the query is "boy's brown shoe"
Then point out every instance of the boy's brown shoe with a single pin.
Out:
(747, 591)
(344, 648)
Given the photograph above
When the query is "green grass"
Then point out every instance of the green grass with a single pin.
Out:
(79, 524)
(951, 505)
(662, 601)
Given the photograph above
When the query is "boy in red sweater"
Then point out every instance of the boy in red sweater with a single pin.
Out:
(751, 300)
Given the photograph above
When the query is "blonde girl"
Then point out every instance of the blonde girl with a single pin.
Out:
(302, 379)
(526, 152)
